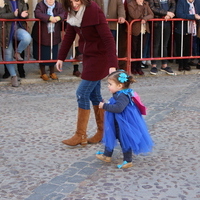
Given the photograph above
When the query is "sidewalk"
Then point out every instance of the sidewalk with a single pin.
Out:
(35, 165)
(33, 73)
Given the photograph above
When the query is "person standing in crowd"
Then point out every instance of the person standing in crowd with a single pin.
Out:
(51, 14)
(20, 66)
(13, 9)
(113, 9)
(123, 121)
(164, 9)
(186, 9)
(138, 9)
(97, 45)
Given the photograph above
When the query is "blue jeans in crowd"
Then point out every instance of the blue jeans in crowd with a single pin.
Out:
(88, 91)
(24, 39)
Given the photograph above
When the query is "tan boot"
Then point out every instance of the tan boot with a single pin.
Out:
(80, 136)
(99, 115)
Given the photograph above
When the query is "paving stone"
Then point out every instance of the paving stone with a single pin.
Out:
(35, 165)
(54, 196)
(58, 180)
(87, 171)
(66, 188)
(46, 188)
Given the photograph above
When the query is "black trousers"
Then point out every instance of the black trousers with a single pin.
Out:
(186, 48)
(157, 40)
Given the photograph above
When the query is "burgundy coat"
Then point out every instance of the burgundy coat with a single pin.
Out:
(41, 13)
(96, 43)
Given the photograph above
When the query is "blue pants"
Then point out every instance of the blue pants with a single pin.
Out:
(24, 39)
(88, 91)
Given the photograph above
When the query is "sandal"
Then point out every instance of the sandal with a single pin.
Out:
(125, 165)
(102, 157)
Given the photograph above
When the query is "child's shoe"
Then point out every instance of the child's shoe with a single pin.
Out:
(125, 164)
(102, 157)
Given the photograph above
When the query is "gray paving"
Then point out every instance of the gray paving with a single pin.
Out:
(37, 116)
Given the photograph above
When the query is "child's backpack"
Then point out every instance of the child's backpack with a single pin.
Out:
(139, 104)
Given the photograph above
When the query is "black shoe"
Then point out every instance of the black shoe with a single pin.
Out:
(168, 70)
(180, 68)
(154, 71)
(191, 63)
(6, 75)
(143, 65)
(22, 75)
(187, 68)
(198, 66)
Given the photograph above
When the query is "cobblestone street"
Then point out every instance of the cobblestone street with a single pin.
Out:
(35, 165)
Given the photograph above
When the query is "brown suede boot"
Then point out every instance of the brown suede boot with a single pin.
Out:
(80, 136)
(99, 115)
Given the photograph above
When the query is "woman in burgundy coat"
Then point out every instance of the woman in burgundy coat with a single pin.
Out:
(97, 45)
(51, 14)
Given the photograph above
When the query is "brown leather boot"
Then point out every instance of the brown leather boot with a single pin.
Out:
(99, 115)
(80, 136)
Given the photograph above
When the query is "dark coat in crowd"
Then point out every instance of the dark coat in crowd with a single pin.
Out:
(6, 12)
(157, 9)
(41, 13)
(182, 11)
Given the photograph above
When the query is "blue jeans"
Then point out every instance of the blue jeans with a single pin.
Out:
(24, 39)
(88, 91)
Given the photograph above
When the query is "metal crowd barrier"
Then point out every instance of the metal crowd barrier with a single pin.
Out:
(127, 58)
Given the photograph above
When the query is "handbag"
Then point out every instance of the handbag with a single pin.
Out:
(136, 99)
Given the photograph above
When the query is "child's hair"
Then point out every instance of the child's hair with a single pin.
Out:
(121, 77)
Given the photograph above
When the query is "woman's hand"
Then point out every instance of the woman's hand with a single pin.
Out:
(16, 12)
(170, 14)
(24, 14)
(197, 17)
(54, 19)
(167, 17)
(140, 2)
(101, 105)
(121, 20)
(112, 69)
(59, 65)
